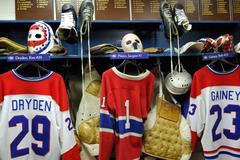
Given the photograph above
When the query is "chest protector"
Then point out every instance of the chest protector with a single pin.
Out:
(167, 134)
(87, 122)
(169, 138)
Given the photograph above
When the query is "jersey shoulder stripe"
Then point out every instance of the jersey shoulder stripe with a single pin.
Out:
(204, 78)
(53, 85)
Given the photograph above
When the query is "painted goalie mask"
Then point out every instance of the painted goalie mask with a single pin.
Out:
(41, 38)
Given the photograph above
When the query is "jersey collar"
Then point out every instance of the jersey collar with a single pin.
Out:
(130, 77)
(33, 79)
(227, 72)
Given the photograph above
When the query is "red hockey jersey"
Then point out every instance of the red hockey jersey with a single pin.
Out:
(125, 102)
(34, 118)
(214, 113)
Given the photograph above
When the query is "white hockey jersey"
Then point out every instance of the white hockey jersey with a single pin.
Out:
(34, 119)
(214, 113)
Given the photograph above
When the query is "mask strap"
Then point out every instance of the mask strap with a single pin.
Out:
(89, 54)
(178, 53)
(170, 43)
(174, 100)
(161, 78)
(82, 73)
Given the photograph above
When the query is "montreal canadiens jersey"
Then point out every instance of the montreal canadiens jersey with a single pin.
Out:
(124, 104)
(214, 113)
(34, 119)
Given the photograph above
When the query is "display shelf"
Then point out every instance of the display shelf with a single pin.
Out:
(149, 55)
(164, 54)
(108, 56)
(65, 57)
(3, 58)
(151, 32)
(51, 57)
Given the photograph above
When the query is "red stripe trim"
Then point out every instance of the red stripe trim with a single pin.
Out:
(194, 140)
(72, 154)
(204, 78)
(222, 147)
(53, 86)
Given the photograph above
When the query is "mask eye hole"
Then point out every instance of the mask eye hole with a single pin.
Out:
(38, 35)
(137, 41)
(128, 42)
(30, 35)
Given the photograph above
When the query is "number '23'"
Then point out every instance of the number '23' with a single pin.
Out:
(235, 121)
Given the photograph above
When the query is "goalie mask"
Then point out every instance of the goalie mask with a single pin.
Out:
(131, 43)
(41, 38)
(178, 82)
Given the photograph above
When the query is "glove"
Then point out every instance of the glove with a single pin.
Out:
(8, 46)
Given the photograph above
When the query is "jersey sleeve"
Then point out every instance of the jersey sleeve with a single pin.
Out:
(148, 96)
(196, 112)
(69, 149)
(107, 124)
(1, 90)
(150, 91)
(1, 94)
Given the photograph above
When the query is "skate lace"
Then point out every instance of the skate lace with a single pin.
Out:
(67, 19)
(180, 16)
(87, 13)
(167, 12)
(173, 29)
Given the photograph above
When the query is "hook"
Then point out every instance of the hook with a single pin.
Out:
(67, 65)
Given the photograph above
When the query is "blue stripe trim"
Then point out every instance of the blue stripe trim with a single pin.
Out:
(32, 79)
(222, 152)
(222, 73)
(135, 127)
(185, 108)
(107, 122)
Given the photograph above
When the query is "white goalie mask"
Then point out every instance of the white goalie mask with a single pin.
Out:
(131, 43)
(41, 38)
(178, 82)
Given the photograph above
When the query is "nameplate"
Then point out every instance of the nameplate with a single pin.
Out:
(214, 56)
(129, 55)
(28, 57)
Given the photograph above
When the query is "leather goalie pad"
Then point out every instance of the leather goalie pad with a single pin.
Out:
(94, 88)
(168, 136)
(88, 115)
(88, 131)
